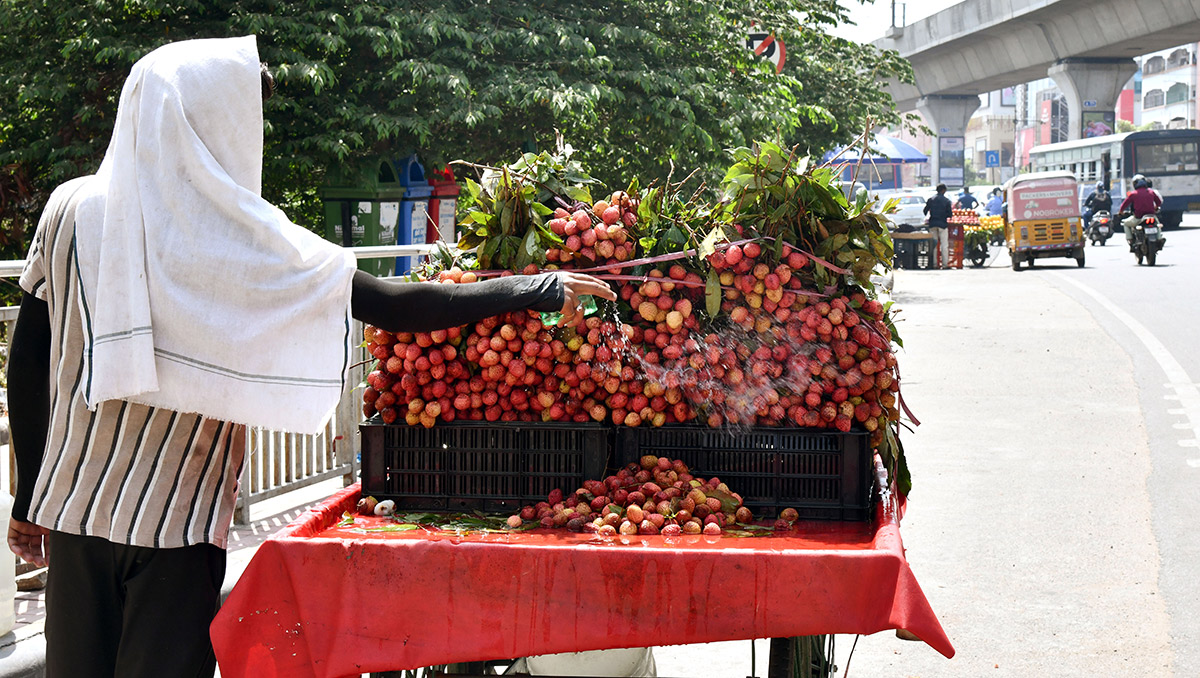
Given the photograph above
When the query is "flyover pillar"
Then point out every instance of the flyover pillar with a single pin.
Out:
(948, 115)
(1091, 87)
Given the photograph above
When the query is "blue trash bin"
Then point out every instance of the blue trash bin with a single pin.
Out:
(414, 210)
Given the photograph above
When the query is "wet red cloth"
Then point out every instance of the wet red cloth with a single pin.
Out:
(317, 600)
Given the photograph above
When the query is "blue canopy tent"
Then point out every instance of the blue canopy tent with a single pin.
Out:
(879, 166)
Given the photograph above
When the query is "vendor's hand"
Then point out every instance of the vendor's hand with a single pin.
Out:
(576, 285)
(28, 541)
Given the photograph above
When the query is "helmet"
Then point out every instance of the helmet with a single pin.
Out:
(1140, 182)
(1099, 186)
(1137, 178)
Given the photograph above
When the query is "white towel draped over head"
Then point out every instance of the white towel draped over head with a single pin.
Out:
(198, 295)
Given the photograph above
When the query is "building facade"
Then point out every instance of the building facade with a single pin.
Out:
(1168, 88)
(991, 133)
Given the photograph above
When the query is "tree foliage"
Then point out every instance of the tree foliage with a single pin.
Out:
(636, 86)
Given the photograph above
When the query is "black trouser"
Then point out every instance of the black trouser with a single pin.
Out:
(128, 611)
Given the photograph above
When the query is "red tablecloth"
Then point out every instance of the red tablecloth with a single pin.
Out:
(318, 600)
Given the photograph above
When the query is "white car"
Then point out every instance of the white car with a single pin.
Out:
(911, 210)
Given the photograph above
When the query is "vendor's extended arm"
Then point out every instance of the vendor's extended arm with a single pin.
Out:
(422, 307)
(29, 418)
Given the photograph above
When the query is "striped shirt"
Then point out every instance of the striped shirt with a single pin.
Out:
(125, 472)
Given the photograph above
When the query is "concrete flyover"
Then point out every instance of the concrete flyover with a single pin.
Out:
(983, 45)
(976, 46)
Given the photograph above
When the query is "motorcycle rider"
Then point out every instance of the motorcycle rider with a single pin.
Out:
(1149, 185)
(1100, 200)
(1142, 201)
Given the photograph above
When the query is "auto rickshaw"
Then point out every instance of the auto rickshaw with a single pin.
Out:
(1042, 219)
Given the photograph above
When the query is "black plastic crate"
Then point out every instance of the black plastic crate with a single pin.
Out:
(823, 475)
(913, 254)
(490, 466)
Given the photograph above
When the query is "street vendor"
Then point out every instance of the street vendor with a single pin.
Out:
(939, 211)
(165, 307)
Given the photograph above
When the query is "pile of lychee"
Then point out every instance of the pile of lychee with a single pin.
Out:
(656, 496)
(817, 359)
(595, 236)
(511, 367)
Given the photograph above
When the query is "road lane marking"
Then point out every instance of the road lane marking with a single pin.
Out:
(1186, 392)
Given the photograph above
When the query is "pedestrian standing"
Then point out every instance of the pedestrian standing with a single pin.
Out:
(939, 211)
(965, 200)
(166, 306)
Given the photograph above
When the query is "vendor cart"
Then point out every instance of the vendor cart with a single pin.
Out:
(328, 596)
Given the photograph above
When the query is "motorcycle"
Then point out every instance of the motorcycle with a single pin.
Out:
(1146, 239)
(1100, 228)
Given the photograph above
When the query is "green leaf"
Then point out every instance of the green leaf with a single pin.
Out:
(645, 211)
(472, 189)
(470, 240)
(728, 503)
(712, 293)
(709, 244)
(676, 236)
(488, 253)
(482, 218)
(508, 252)
(507, 216)
(580, 193)
(390, 527)
(547, 234)
(892, 455)
(531, 250)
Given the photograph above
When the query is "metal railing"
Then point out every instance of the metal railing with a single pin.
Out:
(276, 462)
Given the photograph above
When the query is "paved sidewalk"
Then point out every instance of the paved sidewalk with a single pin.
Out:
(23, 651)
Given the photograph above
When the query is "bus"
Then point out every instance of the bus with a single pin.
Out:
(1169, 158)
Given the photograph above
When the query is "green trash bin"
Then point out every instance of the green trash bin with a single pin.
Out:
(366, 197)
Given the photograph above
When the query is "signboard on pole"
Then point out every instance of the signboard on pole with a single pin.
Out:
(951, 160)
(768, 46)
(991, 158)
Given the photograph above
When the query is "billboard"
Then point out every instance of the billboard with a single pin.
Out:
(1099, 123)
(951, 160)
